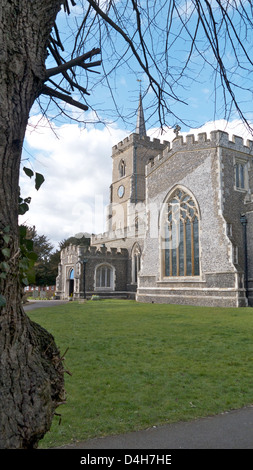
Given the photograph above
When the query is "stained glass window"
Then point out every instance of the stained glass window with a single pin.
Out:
(181, 236)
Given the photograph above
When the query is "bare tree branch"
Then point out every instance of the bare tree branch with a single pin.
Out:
(105, 17)
(151, 34)
(68, 99)
(72, 63)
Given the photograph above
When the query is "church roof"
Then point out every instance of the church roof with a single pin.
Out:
(140, 124)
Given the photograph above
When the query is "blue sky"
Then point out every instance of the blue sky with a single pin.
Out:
(75, 158)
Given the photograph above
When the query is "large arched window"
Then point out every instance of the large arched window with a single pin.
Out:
(180, 239)
(104, 277)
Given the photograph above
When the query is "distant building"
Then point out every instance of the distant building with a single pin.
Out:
(179, 224)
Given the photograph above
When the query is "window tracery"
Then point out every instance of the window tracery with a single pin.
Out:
(181, 236)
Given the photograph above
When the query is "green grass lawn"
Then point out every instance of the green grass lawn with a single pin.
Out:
(136, 365)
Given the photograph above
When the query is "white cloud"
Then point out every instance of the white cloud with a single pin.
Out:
(235, 127)
(77, 168)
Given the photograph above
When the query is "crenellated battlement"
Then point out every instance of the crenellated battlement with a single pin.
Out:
(105, 251)
(191, 142)
(69, 250)
(93, 251)
(137, 139)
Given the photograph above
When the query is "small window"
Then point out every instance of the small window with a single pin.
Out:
(235, 254)
(241, 175)
(136, 263)
(136, 226)
(122, 168)
(229, 229)
(104, 277)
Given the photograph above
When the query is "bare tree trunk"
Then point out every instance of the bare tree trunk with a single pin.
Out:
(31, 371)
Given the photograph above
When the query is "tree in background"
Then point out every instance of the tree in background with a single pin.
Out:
(143, 36)
(44, 269)
(46, 266)
(83, 240)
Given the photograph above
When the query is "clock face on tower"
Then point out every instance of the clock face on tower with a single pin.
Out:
(121, 191)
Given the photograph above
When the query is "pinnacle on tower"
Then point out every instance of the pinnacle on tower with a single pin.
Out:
(140, 124)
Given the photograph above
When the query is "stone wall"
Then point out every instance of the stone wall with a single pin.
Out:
(84, 261)
(204, 168)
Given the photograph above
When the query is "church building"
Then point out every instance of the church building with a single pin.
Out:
(179, 224)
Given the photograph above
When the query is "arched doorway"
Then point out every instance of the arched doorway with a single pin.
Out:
(71, 282)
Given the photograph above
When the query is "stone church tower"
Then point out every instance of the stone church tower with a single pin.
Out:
(179, 224)
(126, 213)
(129, 160)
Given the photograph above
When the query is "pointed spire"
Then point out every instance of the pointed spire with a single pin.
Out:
(140, 124)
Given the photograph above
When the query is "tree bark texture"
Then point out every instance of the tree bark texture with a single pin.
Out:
(31, 371)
